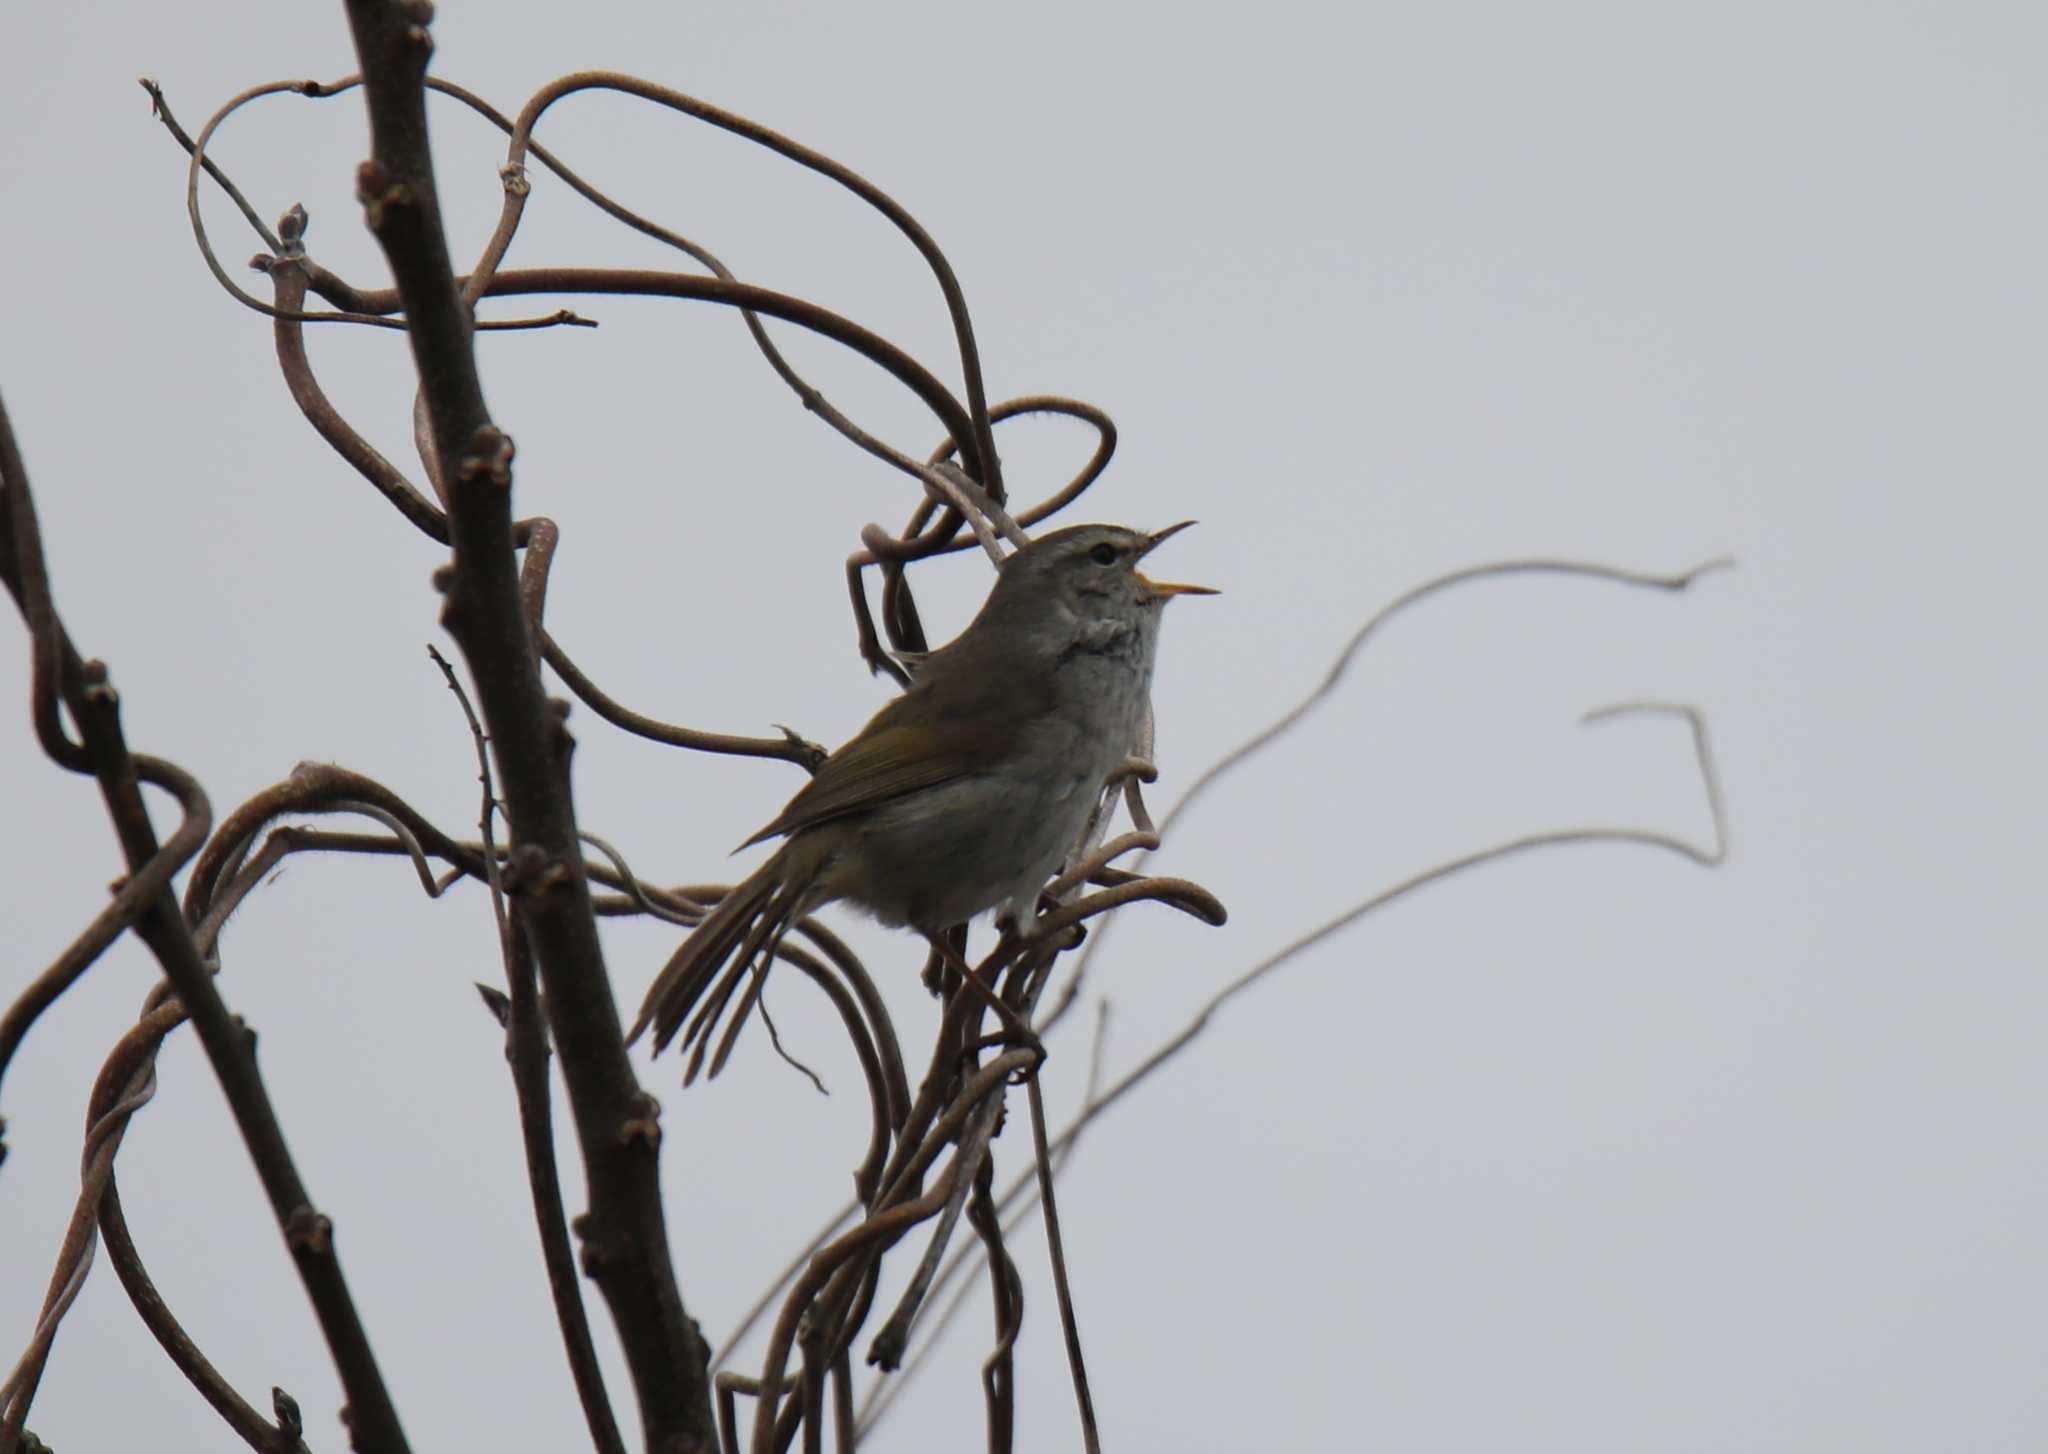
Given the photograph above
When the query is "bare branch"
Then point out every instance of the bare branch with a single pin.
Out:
(94, 708)
(626, 1246)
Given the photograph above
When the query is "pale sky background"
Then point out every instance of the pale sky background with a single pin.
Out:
(1596, 1151)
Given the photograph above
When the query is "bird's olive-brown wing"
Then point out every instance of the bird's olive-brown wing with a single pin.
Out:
(961, 716)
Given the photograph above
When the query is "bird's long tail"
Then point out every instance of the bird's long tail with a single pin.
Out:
(745, 927)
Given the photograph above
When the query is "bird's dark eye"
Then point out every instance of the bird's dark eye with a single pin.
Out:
(1104, 554)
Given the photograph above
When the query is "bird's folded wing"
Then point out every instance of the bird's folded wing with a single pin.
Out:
(874, 768)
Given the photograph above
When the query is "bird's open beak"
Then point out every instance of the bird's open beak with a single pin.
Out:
(1163, 589)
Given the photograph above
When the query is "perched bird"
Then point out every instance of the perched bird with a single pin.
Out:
(971, 789)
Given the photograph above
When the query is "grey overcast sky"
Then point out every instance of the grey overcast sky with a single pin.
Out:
(1594, 1151)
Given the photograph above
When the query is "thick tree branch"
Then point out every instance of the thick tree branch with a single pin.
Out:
(626, 1239)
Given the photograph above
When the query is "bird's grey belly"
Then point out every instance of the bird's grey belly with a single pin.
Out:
(938, 857)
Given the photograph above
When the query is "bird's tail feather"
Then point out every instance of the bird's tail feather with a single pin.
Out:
(750, 964)
(739, 919)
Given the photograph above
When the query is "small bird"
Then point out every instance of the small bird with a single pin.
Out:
(971, 789)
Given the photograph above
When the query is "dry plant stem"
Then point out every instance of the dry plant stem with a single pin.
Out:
(880, 1061)
(517, 188)
(526, 1054)
(1402, 603)
(899, 611)
(986, 1102)
(814, 1373)
(1096, 1104)
(979, 449)
(1709, 856)
(162, 111)
(359, 306)
(54, 667)
(641, 282)
(842, 1404)
(807, 755)
(1143, 841)
(867, 1177)
(93, 707)
(315, 787)
(790, 1272)
(881, 1026)
(1299, 712)
(1083, 1400)
(886, 1351)
(125, 1084)
(639, 896)
(289, 278)
(235, 1411)
(940, 540)
(972, 1118)
(197, 150)
(199, 160)
(542, 535)
(371, 306)
(129, 900)
(241, 1416)
(885, 1391)
(1006, 1297)
(960, 1024)
(626, 1236)
(728, 1414)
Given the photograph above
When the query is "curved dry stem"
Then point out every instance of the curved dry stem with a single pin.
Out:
(318, 787)
(540, 536)
(132, 899)
(1180, 893)
(1301, 710)
(867, 1176)
(980, 448)
(892, 552)
(289, 278)
(788, 748)
(1096, 1104)
(372, 306)
(161, 110)
(1708, 855)
(516, 191)
(913, 545)
(63, 681)
(1415, 596)
(980, 1100)
(126, 1083)
(235, 1411)
(687, 918)
(790, 1272)
(643, 282)
(880, 1025)
(1006, 1297)
(884, 1393)
(882, 1228)
(1141, 841)
(142, 1043)
(885, 1351)
(28, 581)
(198, 161)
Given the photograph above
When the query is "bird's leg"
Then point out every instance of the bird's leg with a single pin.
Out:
(938, 961)
(1015, 1031)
